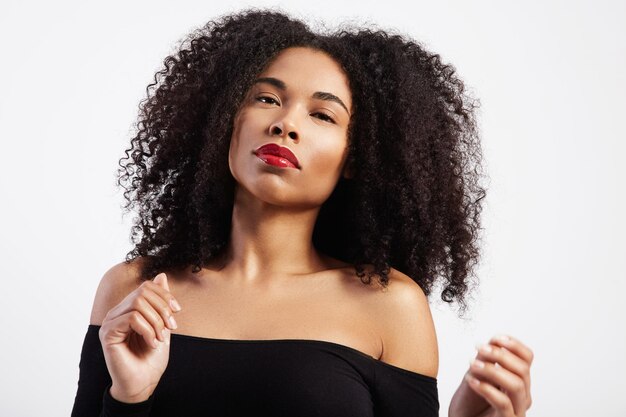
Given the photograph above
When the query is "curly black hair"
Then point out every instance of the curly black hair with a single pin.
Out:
(413, 203)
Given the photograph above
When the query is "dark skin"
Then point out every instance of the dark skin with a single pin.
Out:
(302, 101)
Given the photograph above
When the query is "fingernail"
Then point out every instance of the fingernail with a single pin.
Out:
(173, 322)
(477, 363)
(484, 348)
(470, 379)
(503, 338)
(174, 304)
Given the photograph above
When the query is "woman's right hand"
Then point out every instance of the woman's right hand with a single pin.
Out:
(135, 338)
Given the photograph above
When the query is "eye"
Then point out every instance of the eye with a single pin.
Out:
(271, 99)
(325, 117)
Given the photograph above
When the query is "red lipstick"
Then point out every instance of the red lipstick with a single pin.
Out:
(277, 155)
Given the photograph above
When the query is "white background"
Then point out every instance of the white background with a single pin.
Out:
(551, 77)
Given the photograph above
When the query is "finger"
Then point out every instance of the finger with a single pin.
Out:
(518, 348)
(515, 346)
(126, 304)
(116, 331)
(151, 314)
(167, 336)
(161, 287)
(138, 323)
(138, 300)
(496, 398)
(161, 279)
(511, 384)
(506, 359)
(163, 309)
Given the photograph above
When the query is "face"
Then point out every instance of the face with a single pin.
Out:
(300, 101)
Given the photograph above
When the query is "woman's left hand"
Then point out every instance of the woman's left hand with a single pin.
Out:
(503, 388)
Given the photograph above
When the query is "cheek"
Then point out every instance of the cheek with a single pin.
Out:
(329, 152)
(241, 125)
(234, 148)
(326, 161)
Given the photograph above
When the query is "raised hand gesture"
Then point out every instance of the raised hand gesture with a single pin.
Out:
(500, 387)
(135, 337)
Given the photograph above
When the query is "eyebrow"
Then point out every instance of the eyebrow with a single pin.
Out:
(321, 95)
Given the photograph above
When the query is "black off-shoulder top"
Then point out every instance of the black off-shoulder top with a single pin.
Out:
(279, 377)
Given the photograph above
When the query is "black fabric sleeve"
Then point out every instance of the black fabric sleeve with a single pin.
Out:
(93, 398)
(114, 408)
(399, 392)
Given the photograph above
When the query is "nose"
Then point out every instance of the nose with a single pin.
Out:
(283, 127)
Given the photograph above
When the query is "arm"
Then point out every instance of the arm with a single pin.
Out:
(94, 379)
(409, 386)
(93, 397)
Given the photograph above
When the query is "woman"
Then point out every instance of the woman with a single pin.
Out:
(275, 172)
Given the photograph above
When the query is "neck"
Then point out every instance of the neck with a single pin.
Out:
(270, 242)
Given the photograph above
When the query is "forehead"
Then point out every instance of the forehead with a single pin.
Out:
(309, 70)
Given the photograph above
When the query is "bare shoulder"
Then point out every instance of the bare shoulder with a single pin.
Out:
(116, 283)
(407, 329)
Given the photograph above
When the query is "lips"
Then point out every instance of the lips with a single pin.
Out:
(280, 151)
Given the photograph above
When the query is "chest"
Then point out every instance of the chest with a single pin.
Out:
(312, 312)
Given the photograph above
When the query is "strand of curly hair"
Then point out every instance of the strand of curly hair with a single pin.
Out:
(414, 201)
